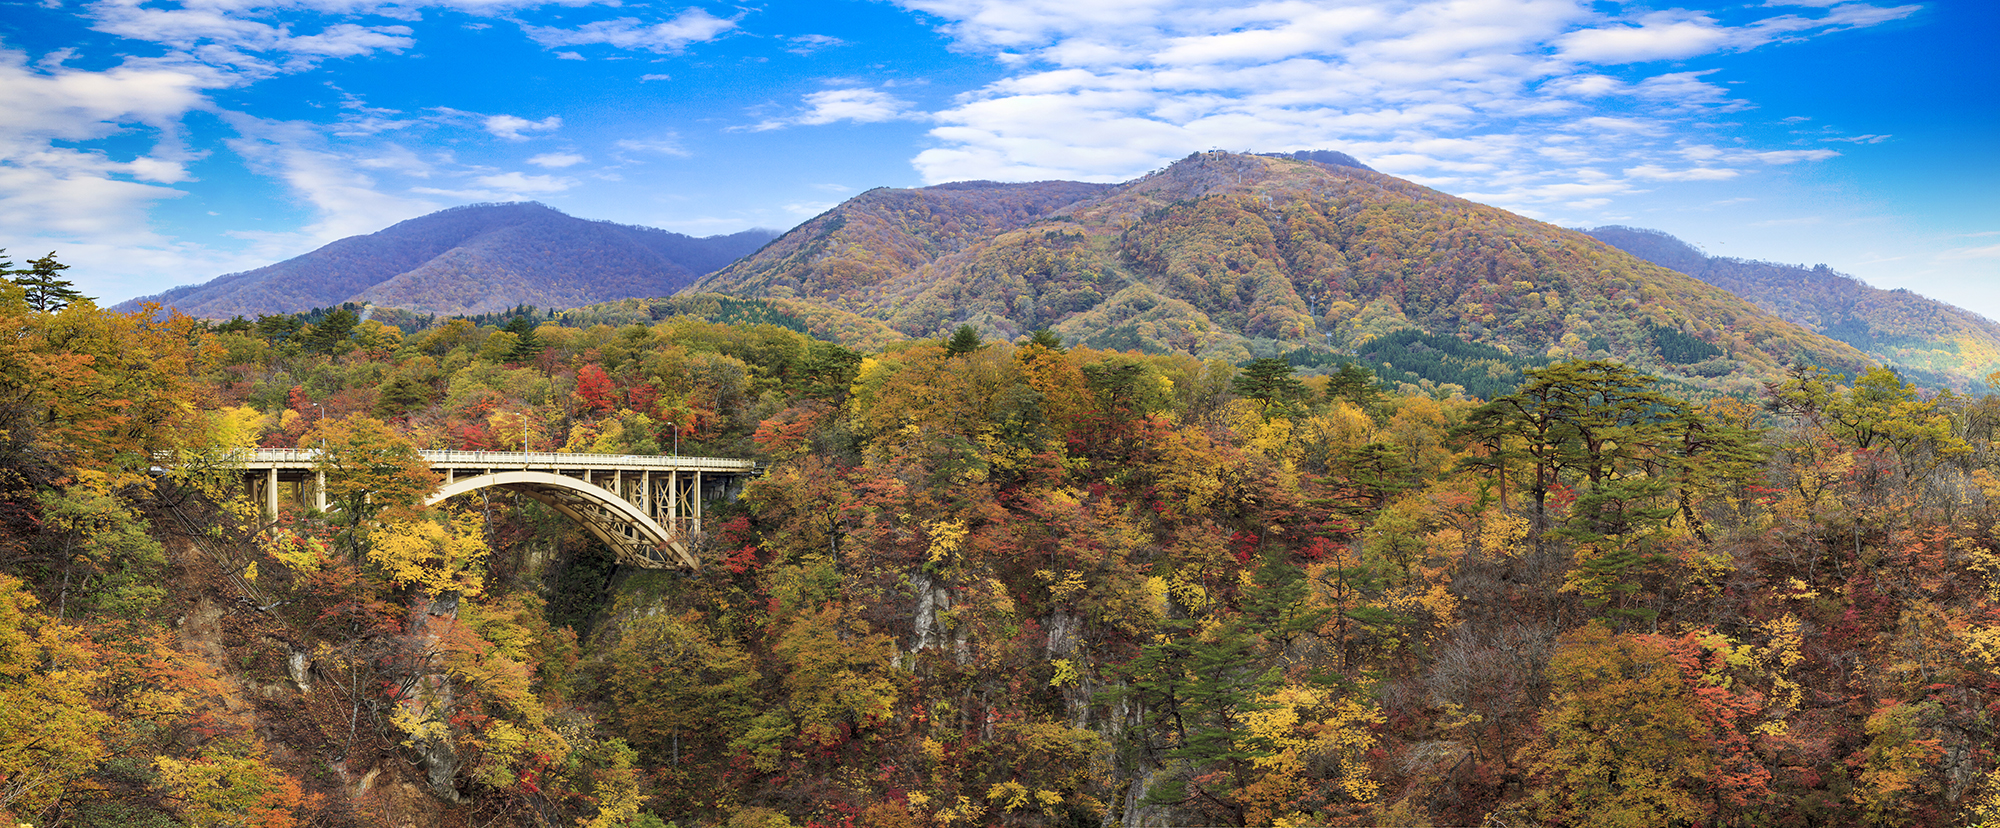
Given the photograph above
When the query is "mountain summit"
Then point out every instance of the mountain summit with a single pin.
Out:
(474, 259)
(1235, 256)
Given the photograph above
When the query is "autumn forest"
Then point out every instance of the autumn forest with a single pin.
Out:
(980, 583)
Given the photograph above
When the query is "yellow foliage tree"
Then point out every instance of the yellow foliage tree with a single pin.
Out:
(231, 785)
(1309, 728)
(432, 557)
(48, 729)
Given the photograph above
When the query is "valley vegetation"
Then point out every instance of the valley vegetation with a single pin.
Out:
(980, 583)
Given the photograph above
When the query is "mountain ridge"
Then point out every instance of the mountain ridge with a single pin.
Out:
(474, 258)
(1937, 342)
(1232, 256)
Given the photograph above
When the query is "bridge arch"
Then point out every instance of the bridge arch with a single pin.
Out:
(633, 535)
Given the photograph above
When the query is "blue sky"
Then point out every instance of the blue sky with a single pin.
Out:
(163, 142)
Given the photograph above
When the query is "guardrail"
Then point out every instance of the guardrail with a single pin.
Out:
(497, 459)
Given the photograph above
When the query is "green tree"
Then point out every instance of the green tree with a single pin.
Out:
(527, 344)
(963, 341)
(1583, 422)
(331, 334)
(278, 327)
(47, 290)
(108, 562)
(1269, 381)
(1355, 383)
(1199, 685)
(370, 469)
(680, 693)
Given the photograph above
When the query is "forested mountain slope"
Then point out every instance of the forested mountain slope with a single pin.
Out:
(474, 259)
(1935, 342)
(1233, 256)
(857, 256)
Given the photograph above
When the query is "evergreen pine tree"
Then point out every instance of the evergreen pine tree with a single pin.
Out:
(963, 341)
(47, 290)
(1269, 380)
(527, 345)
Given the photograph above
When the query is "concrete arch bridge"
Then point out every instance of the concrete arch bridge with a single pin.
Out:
(645, 507)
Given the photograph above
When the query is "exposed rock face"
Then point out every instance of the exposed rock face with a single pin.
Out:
(424, 712)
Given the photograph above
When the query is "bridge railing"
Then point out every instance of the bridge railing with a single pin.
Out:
(296, 457)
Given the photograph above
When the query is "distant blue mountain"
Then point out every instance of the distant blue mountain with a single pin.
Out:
(1928, 341)
(475, 259)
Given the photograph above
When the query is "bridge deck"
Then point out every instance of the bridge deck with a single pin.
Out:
(260, 459)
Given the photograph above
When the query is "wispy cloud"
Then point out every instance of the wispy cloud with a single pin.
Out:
(666, 144)
(345, 200)
(808, 44)
(557, 160)
(48, 187)
(510, 127)
(233, 34)
(858, 105)
(503, 187)
(1525, 102)
(1964, 253)
(689, 27)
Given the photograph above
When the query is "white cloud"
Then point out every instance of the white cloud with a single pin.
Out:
(345, 200)
(523, 183)
(689, 27)
(649, 78)
(1657, 37)
(1517, 99)
(1655, 172)
(557, 160)
(1793, 156)
(510, 127)
(512, 186)
(668, 144)
(807, 209)
(228, 34)
(808, 44)
(1965, 253)
(861, 106)
(864, 106)
(63, 191)
(395, 158)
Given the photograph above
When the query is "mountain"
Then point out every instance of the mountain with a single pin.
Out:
(1234, 256)
(1330, 158)
(474, 259)
(1928, 340)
